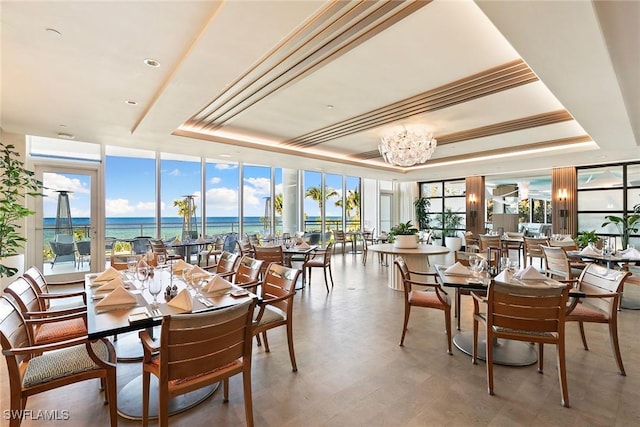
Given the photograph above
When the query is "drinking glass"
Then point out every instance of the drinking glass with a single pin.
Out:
(131, 266)
(504, 263)
(162, 259)
(142, 274)
(155, 287)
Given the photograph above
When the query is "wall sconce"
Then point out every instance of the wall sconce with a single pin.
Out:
(562, 201)
(473, 208)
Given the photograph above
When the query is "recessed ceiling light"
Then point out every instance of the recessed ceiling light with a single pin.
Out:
(53, 31)
(63, 126)
(152, 62)
(65, 135)
(226, 156)
(330, 107)
(130, 102)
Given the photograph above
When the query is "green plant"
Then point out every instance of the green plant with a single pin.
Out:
(626, 224)
(587, 237)
(16, 183)
(422, 205)
(450, 223)
(402, 229)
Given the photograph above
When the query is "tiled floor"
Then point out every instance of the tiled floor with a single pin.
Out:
(353, 373)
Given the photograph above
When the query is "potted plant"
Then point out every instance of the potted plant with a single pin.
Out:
(587, 237)
(626, 224)
(451, 222)
(422, 205)
(16, 183)
(404, 235)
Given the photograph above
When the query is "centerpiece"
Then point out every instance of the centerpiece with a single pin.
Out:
(404, 236)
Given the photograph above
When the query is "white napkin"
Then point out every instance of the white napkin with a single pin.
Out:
(217, 284)
(107, 275)
(199, 273)
(458, 269)
(119, 296)
(588, 250)
(142, 263)
(631, 253)
(567, 239)
(303, 245)
(111, 285)
(529, 273)
(505, 276)
(200, 240)
(180, 265)
(182, 301)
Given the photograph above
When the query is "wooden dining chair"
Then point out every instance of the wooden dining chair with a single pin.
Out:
(276, 307)
(247, 273)
(533, 314)
(602, 288)
(321, 258)
(197, 350)
(339, 237)
(436, 297)
(558, 265)
(34, 369)
(48, 326)
(63, 298)
(463, 258)
(226, 265)
(533, 249)
(212, 251)
(268, 254)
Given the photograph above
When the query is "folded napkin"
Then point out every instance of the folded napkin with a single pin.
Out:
(142, 263)
(200, 240)
(111, 285)
(458, 269)
(303, 245)
(182, 301)
(199, 273)
(505, 276)
(567, 239)
(630, 253)
(217, 284)
(107, 275)
(119, 296)
(588, 250)
(180, 265)
(529, 273)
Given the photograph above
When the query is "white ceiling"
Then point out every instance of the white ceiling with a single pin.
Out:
(242, 78)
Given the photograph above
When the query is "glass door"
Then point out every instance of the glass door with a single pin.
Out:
(66, 234)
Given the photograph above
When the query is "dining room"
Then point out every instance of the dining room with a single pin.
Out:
(351, 370)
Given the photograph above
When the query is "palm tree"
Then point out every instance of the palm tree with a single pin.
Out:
(315, 193)
(352, 202)
(277, 204)
(183, 208)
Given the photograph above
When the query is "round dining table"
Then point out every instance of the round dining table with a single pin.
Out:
(417, 259)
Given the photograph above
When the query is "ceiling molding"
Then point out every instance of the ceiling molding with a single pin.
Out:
(332, 32)
(506, 76)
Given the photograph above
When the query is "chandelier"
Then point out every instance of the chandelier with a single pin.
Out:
(407, 147)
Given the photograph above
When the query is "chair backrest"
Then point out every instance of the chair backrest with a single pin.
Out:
(193, 344)
(539, 309)
(64, 238)
(533, 246)
(269, 254)
(280, 282)
(339, 236)
(313, 238)
(13, 334)
(244, 247)
(39, 284)
(230, 242)
(557, 262)
(567, 245)
(329, 251)
(253, 239)
(463, 257)
(597, 279)
(140, 245)
(489, 241)
(158, 247)
(227, 262)
(23, 294)
(514, 235)
(405, 274)
(83, 247)
(248, 270)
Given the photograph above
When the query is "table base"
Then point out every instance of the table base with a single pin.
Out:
(630, 303)
(130, 399)
(505, 352)
(128, 347)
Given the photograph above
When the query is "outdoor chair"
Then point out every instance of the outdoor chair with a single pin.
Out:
(247, 273)
(321, 258)
(63, 248)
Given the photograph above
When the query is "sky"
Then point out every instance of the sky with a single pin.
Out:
(130, 188)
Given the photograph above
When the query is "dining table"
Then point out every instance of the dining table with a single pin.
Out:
(184, 247)
(295, 253)
(417, 259)
(108, 321)
(505, 352)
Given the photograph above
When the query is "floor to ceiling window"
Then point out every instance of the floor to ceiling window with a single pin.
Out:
(180, 196)
(313, 201)
(221, 187)
(333, 208)
(352, 205)
(257, 204)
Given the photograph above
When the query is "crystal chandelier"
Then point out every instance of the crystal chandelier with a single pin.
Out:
(407, 147)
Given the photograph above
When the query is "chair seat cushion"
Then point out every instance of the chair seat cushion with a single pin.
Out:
(428, 299)
(586, 313)
(315, 262)
(271, 314)
(500, 329)
(66, 329)
(61, 363)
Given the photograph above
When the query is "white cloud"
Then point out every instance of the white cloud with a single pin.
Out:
(261, 186)
(54, 182)
(215, 180)
(222, 200)
(117, 207)
(175, 172)
(226, 166)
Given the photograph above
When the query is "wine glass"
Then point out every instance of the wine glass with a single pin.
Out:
(155, 287)
(131, 266)
(473, 263)
(142, 274)
(162, 259)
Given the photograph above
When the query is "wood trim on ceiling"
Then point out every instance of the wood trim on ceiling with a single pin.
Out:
(503, 77)
(332, 32)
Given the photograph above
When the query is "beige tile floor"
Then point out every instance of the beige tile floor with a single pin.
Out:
(353, 373)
